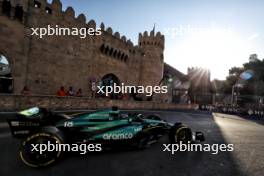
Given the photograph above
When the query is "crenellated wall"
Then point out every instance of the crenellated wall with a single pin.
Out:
(153, 63)
(50, 62)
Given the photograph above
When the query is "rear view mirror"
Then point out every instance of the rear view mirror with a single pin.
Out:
(199, 136)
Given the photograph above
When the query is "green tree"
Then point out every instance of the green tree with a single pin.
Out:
(252, 86)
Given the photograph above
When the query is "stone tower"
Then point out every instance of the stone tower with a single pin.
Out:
(45, 64)
(152, 63)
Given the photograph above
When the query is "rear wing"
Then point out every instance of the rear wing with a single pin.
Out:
(22, 127)
(25, 122)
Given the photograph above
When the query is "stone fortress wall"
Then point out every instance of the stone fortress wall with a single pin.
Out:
(53, 61)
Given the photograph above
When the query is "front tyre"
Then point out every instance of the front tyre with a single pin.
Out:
(35, 157)
(180, 133)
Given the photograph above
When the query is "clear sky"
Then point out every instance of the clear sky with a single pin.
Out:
(214, 34)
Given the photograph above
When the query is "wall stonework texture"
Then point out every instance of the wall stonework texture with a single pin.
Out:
(44, 65)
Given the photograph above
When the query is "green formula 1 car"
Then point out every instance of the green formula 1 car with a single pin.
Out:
(104, 128)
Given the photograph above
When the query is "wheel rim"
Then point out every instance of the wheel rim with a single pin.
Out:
(183, 134)
(34, 158)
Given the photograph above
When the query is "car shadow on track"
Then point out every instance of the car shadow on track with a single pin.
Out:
(152, 161)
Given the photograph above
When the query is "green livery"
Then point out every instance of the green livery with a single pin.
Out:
(110, 128)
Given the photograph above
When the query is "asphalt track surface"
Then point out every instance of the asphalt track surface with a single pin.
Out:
(246, 159)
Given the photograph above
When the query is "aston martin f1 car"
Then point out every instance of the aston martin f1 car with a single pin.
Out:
(109, 128)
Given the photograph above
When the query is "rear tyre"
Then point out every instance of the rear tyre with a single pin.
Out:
(33, 158)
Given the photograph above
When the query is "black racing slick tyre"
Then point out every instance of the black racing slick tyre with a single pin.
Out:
(180, 133)
(32, 151)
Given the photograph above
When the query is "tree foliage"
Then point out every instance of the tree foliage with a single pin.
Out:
(252, 86)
